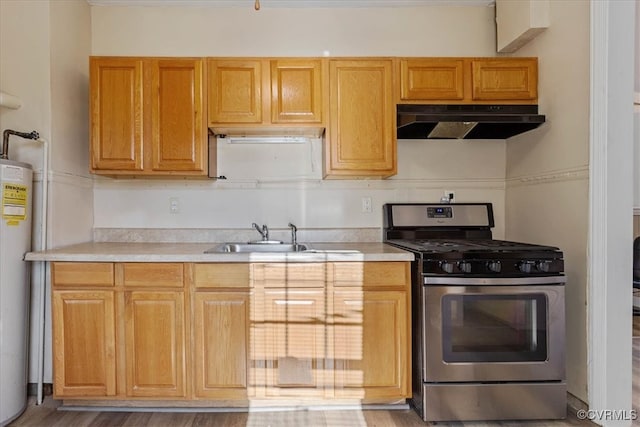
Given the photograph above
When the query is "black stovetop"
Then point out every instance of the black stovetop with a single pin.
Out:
(475, 246)
(456, 239)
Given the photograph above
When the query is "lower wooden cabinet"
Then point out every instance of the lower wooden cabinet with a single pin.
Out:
(231, 331)
(294, 348)
(114, 334)
(84, 353)
(370, 344)
(221, 345)
(155, 344)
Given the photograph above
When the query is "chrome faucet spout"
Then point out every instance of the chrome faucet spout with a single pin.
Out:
(294, 234)
(264, 232)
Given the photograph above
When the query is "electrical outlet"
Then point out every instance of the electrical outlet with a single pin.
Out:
(174, 205)
(366, 204)
(450, 195)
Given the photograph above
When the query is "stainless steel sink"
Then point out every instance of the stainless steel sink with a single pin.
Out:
(257, 247)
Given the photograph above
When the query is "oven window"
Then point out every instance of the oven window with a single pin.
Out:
(494, 328)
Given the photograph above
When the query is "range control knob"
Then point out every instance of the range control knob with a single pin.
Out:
(494, 266)
(446, 266)
(464, 266)
(543, 266)
(525, 266)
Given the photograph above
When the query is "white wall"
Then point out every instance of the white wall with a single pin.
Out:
(236, 203)
(636, 179)
(548, 187)
(548, 170)
(44, 47)
(210, 31)
(474, 170)
(636, 176)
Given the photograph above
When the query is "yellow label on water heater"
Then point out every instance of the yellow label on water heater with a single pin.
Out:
(14, 203)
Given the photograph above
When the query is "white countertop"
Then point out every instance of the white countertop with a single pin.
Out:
(194, 252)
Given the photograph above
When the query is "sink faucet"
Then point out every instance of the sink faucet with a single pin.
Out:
(294, 231)
(264, 232)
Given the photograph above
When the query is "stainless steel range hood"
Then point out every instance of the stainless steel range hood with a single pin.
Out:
(466, 121)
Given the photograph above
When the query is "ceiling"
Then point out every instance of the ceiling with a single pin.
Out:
(293, 3)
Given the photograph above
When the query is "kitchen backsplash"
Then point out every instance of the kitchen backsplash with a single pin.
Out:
(197, 235)
(276, 184)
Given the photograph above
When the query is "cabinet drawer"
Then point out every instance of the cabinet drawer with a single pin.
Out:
(153, 275)
(372, 274)
(280, 275)
(82, 274)
(222, 275)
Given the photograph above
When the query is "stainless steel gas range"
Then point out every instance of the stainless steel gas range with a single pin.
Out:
(487, 316)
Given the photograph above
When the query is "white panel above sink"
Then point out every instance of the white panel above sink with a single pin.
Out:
(270, 160)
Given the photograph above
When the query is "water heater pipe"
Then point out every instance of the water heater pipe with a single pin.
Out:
(4, 154)
(43, 269)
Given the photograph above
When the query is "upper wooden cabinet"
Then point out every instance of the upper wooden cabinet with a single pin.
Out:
(251, 92)
(152, 116)
(235, 91)
(361, 140)
(514, 79)
(469, 80)
(116, 114)
(148, 116)
(296, 91)
(432, 79)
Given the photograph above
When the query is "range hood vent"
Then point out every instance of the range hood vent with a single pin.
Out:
(466, 121)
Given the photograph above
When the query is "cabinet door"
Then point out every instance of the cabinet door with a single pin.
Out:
(293, 344)
(221, 332)
(178, 127)
(296, 91)
(505, 80)
(235, 91)
(371, 350)
(362, 119)
(154, 334)
(116, 114)
(434, 79)
(84, 354)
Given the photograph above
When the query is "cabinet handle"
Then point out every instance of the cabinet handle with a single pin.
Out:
(293, 302)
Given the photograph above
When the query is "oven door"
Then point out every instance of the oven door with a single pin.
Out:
(494, 329)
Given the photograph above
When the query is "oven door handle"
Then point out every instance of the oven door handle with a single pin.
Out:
(494, 281)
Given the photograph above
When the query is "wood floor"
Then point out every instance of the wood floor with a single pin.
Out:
(48, 415)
